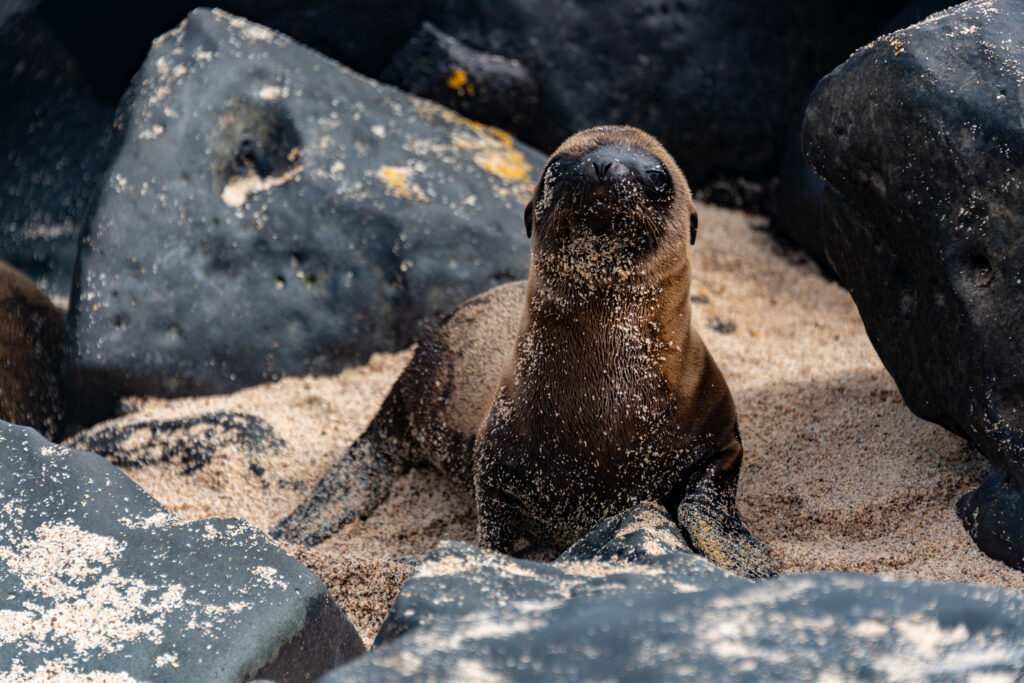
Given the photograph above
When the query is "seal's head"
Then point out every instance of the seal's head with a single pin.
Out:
(616, 189)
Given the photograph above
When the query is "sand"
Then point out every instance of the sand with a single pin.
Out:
(838, 475)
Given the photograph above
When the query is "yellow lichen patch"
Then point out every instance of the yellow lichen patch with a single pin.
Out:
(457, 79)
(398, 180)
(509, 164)
(494, 148)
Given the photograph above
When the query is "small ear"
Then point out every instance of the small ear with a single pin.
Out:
(693, 226)
(528, 219)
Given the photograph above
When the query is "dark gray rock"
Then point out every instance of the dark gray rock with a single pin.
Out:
(12, 9)
(361, 34)
(796, 215)
(55, 143)
(479, 85)
(31, 333)
(271, 212)
(719, 81)
(629, 602)
(920, 137)
(98, 577)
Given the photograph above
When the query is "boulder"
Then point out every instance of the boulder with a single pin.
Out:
(629, 601)
(360, 34)
(31, 333)
(719, 81)
(271, 212)
(55, 143)
(796, 214)
(97, 579)
(479, 85)
(920, 139)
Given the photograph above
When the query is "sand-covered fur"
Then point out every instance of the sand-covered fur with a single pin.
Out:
(601, 395)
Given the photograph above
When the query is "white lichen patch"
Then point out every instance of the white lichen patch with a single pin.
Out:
(273, 92)
(152, 133)
(237, 190)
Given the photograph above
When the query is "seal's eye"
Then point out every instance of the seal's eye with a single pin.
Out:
(658, 178)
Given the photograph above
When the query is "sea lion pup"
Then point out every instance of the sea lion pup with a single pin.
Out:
(576, 395)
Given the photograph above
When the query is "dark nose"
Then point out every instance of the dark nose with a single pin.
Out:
(609, 169)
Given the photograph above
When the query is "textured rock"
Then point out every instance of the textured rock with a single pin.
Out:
(796, 214)
(479, 85)
(797, 211)
(271, 212)
(719, 81)
(920, 137)
(354, 32)
(97, 577)
(54, 146)
(629, 602)
(31, 333)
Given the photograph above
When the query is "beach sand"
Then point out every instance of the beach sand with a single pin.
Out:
(838, 474)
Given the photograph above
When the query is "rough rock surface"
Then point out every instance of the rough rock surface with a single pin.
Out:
(796, 214)
(920, 137)
(55, 142)
(719, 81)
(31, 333)
(629, 600)
(271, 212)
(98, 578)
(480, 85)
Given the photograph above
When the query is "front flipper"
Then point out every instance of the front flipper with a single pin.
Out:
(357, 481)
(707, 514)
(499, 522)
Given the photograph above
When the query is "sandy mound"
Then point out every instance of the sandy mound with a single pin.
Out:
(838, 474)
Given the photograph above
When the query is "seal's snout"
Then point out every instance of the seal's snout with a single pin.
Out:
(605, 166)
(609, 170)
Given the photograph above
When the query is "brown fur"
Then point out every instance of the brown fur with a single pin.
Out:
(570, 397)
(31, 333)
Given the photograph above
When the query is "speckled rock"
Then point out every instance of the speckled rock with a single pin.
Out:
(55, 142)
(719, 81)
(920, 137)
(96, 577)
(31, 333)
(628, 602)
(480, 85)
(271, 212)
